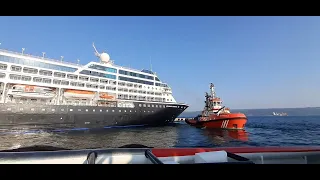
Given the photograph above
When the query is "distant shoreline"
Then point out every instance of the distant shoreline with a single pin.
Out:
(302, 111)
(267, 109)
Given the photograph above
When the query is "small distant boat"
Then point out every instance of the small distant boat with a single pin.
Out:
(216, 116)
(279, 114)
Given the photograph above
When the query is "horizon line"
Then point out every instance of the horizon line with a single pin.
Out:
(263, 108)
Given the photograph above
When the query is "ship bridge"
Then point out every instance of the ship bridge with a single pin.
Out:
(147, 71)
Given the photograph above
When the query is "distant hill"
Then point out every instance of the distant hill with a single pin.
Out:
(308, 111)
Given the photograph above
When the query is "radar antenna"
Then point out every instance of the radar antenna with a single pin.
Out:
(103, 57)
(95, 49)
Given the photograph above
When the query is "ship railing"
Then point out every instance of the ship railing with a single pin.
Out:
(39, 57)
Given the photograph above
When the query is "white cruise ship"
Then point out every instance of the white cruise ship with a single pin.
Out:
(37, 92)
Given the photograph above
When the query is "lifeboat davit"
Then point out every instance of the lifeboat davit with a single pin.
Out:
(29, 91)
(215, 116)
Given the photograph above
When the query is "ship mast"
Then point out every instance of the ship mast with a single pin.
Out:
(213, 93)
(212, 102)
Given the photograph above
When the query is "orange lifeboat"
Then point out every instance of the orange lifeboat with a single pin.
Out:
(78, 91)
(106, 96)
(28, 88)
(215, 116)
(71, 93)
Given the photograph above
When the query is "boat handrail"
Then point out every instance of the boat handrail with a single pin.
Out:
(91, 158)
(152, 157)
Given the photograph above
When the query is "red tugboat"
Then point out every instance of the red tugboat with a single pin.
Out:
(216, 116)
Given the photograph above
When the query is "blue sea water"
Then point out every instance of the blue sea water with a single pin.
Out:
(260, 131)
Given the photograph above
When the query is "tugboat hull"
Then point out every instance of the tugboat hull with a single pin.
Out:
(235, 122)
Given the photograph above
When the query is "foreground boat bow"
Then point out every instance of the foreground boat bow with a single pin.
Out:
(251, 155)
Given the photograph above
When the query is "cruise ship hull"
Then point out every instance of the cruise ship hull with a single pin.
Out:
(56, 117)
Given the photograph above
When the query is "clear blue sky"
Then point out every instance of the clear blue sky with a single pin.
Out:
(255, 62)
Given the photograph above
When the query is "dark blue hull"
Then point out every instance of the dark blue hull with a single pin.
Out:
(21, 116)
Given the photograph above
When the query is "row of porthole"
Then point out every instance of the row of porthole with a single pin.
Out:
(32, 109)
(144, 105)
(160, 106)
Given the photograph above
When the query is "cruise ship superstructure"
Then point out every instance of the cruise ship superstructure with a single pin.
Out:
(37, 92)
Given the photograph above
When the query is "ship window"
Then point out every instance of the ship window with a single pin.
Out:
(3, 66)
(36, 63)
(94, 80)
(45, 73)
(2, 75)
(103, 68)
(26, 78)
(58, 74)
(81, 84)
(30, 70)
(64, 82)
(46, 80)
(56, 81)
(113, 82)
(92, 73)
(16, 68)
(36, 79)
(71, 76)
(135, 80)
(136, 75)
(104, 81)
(83, 78)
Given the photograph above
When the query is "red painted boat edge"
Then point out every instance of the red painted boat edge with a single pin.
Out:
(166, 152)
